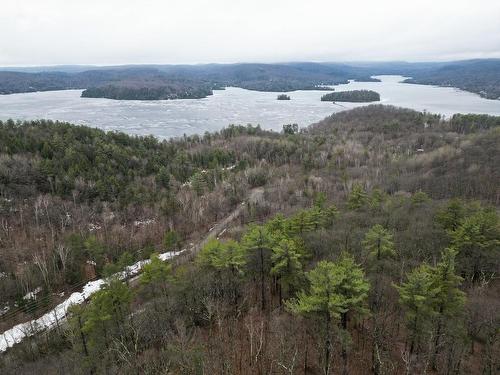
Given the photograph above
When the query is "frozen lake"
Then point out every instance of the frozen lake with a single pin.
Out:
(170, 118)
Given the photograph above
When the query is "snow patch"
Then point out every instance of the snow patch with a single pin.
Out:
(93, 227)
(57, 315)
(139, 223)
(32, 294)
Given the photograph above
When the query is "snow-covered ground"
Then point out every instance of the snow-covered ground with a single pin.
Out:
(32, 294)
(54, 317)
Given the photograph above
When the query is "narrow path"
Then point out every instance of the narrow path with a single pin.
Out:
(57, 315)
(255, 195)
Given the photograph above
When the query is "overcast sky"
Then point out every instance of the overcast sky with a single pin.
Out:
(47, 32)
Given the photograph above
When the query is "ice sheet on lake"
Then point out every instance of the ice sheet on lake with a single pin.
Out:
(174, 118)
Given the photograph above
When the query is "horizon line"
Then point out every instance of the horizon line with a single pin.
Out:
(367, 61)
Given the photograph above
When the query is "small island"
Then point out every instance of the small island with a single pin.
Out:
(355, 96)
(283, 97)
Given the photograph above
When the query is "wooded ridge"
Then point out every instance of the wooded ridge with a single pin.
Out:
(370, 243)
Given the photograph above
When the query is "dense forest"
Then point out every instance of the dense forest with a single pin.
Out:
(479, 76)
(366, 243)
(354, 96)
(180, 81)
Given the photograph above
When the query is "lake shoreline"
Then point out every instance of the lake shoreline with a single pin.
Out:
(174, 118)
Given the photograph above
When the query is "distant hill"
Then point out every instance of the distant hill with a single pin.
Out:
(479, 76)
(178, 81)
(194, 81)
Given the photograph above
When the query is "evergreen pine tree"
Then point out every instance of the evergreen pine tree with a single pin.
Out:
(379, 243)
(357, 198)
(287, 266)
(418, 296)
(450, 300)
(337, 292)
(258, 243)
(477, 240)
(302, 222)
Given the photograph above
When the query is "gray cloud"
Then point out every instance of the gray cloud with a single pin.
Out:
(45, 32)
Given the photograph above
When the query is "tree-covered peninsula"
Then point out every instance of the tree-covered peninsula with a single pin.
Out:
(355, 96)
(137, 91)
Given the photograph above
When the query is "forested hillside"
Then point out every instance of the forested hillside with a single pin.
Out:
(479, 76)
(153, 82)
(121, 84)
(149, 82)
(366, 243)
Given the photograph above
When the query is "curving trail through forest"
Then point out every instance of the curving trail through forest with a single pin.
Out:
(58, 314)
